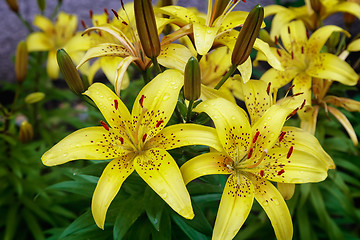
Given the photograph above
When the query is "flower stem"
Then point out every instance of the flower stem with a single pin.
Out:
(156, 65)
(188, 115)
(26, 23)
(226, 76)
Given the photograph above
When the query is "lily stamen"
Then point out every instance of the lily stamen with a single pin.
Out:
(264, 153)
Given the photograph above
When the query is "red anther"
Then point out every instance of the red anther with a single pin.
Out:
(280, 172)
(268, 88)
(106, 11)
(262, 173)
(289, 152)
(302, 49)
(91, 14)
(235, 1)
(122, 140)
(141, 101)
(281, 137)
(244, 1)
(115, 13)
(216, 68)
(104, 125)
(116, 104)
(250, 153)
(303, 104)
(278, 52)
(276, 40)
(122, 5)
(125, 23)
(159, 122)
(144, 137)
(288, 90)
(100, 34)
(83, 24)
(292, 55)
(107, 20)
(307, 33)
(256, 136)
(297, 94)
(292, 113)
(289, 29)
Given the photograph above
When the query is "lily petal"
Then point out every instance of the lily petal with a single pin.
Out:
(245, 70)
(275, 207)
(346, 103)
(354, 46)
(52, 67)
(65, 25)
(293, 34)
(44, 24)
(174, 56)
(106, 100)
(204, 37)
(156, 102)
(180, 135)
(95, 66)
(346, 124)
(93, 143)
(348, 6)
(104, 50)
(309, 119)
(235, 205)
(108, 66)
(182, 16)
(205, 164)
(302, 84)
(231, 123)
(278, 78)
(208, 93)
(232, 20)
(329, 66)
(109, 185)
(120, 73)
(39, 41)
(271, 58)
(160, 171)
(78, 42)
(320, 36)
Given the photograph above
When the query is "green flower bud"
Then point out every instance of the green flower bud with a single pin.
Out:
(21, 62)
(34, 97)
(69, 72)
(219, 7)
(13, 5)
(41, 5)
(316, 5)
(26, 132)
(247, 35)
(163, 3)
(192, 83)
(146, 27)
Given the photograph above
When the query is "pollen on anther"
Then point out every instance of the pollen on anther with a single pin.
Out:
(278, 52)
(159, 122)
(303, 104)
(116, 104)
(268, 88)
(281, 137)
(302, 49)
(256, 136)
(141, 101)
(115, 13)
(289, 152)
(104, 125)
(144, 137)
(276, 40)
(250, 153)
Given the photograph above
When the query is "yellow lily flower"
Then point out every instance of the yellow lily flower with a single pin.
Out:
(302, 60)
(136, 141)
(62, 34)
(252, 155)
(311, 19)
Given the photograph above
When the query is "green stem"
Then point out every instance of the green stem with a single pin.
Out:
(56, 10)
(26, 23)
(188, 115)
(226, 76)
(145, 76)
(341, 44)
(17, 93)
(156, 65)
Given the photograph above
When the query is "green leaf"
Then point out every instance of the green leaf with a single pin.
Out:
(165, 228)
(189, 231)
(154, 206)
(77, 187)
(33, 225)
(11, 222)
(81, 223)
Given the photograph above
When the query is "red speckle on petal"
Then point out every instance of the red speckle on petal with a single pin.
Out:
(289, 152)
(282, 134)
(292, 55)
(116, 104)
(141, 101)
(104, 125)
(280, 172)
(262, 173)
(159, 122)
(256, 136)
(144, 137)
(250, 153)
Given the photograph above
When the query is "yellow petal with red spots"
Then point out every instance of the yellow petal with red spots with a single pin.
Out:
(235, 206)
(109, 185)
(293, 34)
(320, 36)
(180, 135)
(278, 78)
(275, 207)
(93, 143)
(160, 171)
(205, 164)
(174, 56)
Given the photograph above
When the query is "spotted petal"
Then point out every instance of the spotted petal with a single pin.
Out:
(231, 123)
(109, 185)
(155, 104)
(182, 16)
(93, 143)
(106, 100)
(160, 171)
(232, 20)
(180, 135)
(275, 207)
(205, 164)
(293, 34)
(235, 206)
(328, 66)
(174, 56)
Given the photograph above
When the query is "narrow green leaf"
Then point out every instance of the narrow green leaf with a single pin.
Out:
(33, 225)
(154, 206)
(189, 231)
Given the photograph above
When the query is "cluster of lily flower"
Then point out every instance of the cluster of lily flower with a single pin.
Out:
(195, 62)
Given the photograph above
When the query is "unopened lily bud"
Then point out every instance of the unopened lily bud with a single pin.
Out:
(247, 35)
(219, 8)
(21, 62)
(349, 19)
(146, 27)
(13, 4)
(26, 132)
(316, 5)
(41, 4)
(69, 72)
(34, 97)
(192, 81)
(163, 3)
